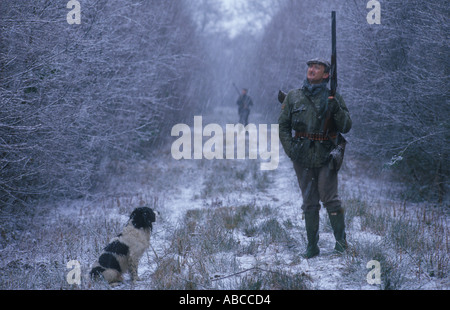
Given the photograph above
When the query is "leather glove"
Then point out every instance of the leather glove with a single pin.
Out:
(333, 105)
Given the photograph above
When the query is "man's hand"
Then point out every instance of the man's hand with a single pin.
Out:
(333, 105)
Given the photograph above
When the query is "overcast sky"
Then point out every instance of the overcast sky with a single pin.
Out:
(242, 16)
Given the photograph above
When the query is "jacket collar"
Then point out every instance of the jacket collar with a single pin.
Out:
(313, 89)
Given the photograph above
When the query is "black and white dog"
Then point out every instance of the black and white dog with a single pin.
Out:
(123, 253)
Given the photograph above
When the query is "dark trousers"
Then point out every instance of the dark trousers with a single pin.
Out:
(243, 116)
(318, 184)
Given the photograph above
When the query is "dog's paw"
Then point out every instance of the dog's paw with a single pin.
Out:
(115, 284)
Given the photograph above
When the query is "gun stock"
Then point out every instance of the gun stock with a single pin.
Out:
(281, 96)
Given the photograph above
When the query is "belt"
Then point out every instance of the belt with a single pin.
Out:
(315, 136)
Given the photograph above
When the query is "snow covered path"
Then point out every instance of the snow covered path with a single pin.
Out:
(184, 193)
(183, 186)
(261, 226)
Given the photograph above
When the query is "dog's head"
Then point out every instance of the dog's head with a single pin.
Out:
(143, 217)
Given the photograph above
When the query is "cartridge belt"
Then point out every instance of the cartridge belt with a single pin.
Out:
(315, 136)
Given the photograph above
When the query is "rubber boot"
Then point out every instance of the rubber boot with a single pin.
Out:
(312, 233)
(337, 220)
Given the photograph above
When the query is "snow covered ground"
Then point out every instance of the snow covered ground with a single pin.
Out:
(225, 224)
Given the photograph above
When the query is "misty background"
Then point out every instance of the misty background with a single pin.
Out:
(77, 99)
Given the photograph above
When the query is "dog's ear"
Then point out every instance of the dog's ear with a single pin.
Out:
(136, 218)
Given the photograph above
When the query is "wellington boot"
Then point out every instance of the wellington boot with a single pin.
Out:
(337, 220)
(312, 233)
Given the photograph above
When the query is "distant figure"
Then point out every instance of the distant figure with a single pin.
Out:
(244, 103)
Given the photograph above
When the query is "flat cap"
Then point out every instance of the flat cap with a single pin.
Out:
(321, 61)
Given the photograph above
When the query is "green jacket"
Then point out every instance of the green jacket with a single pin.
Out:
(306, 115)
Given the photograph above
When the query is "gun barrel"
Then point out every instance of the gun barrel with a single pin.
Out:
(333, 79)
(237, 89)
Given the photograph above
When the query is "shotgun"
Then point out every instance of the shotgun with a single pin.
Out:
(328, 121)
(340, 143)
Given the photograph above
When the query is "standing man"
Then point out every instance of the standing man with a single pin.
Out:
(305, 111)
(244, 103)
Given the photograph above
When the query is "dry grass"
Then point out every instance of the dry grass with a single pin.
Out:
(222, 245)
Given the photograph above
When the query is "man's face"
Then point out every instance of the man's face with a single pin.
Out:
(244, 92)
(316, 73)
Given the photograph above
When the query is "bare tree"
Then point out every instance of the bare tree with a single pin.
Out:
(401, 87)
(75, 96)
